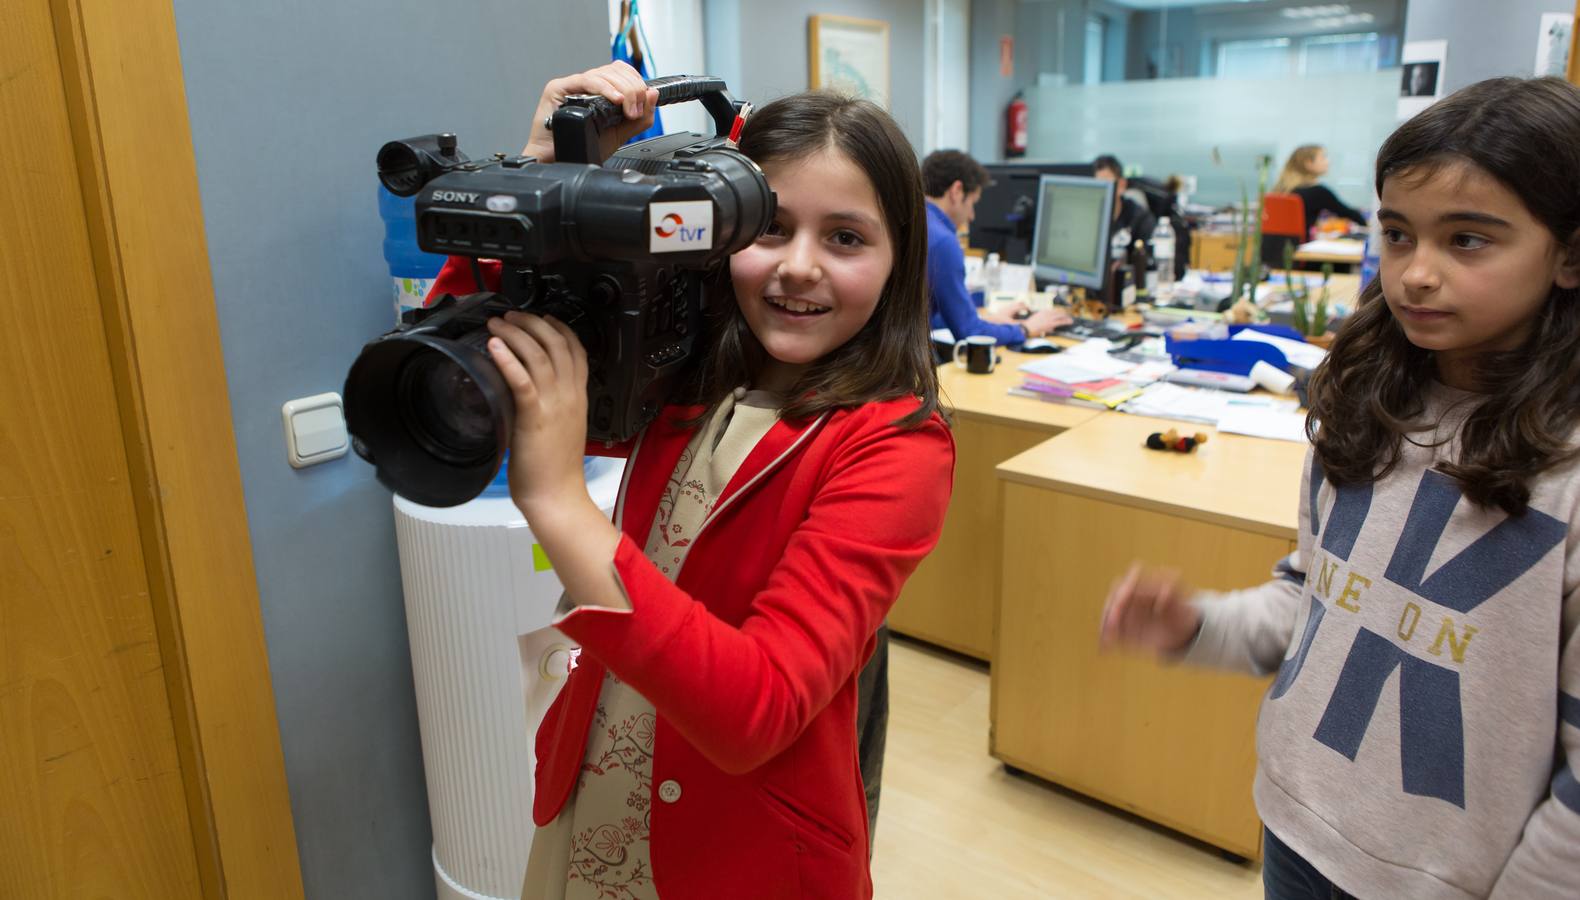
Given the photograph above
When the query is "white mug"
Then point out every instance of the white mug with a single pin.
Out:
(979, 356)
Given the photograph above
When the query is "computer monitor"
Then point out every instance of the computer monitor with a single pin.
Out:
(1070, 242)
(1006, 212)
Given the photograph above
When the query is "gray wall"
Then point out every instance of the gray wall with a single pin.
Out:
(1036, 26)
(990, 90)
(772, 58)
(289, 101)
(1484, 38)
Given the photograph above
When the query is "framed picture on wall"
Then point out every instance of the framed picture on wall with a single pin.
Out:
(850, 55)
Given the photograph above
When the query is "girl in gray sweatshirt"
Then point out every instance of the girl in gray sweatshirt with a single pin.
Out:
(1422, 736)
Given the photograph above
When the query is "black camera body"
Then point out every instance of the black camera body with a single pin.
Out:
(622, 253)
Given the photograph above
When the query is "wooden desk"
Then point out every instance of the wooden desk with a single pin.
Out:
(1216, 250)
(1213, 250)
(952, 598)
(1171, 744)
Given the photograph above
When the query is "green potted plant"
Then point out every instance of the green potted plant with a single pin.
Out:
(1248, 231)
(1311, 317)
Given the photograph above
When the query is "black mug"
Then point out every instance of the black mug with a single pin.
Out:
(980, 358)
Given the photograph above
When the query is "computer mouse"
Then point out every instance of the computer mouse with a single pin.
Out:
(1023, 314)
(1040, 345)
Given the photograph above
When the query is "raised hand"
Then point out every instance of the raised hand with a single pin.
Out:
(546, 367)
(1147, 610)
(616, 82)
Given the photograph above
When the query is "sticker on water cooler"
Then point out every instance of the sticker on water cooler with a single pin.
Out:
(686, 225)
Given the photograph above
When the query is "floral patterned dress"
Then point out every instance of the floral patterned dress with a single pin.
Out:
(597, 848)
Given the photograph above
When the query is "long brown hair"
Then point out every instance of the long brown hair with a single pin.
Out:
(1297, 170)
(890, 357)
(1369, 391)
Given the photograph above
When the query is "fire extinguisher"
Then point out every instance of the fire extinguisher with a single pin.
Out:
(1017, 127)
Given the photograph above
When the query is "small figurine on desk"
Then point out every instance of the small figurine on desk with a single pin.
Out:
(1089, 308)
(1171, 440)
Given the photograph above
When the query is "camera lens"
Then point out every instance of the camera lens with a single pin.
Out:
(444, 409)
(432, 414)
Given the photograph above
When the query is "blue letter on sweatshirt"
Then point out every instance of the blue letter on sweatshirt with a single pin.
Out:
(1431, 727)
(1431, 723)
(1480, 570)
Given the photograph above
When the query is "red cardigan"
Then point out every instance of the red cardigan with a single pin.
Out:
(751, 659)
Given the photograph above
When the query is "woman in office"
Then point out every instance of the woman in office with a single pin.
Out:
(1302, 176)
(1422, 736)
(705, 746)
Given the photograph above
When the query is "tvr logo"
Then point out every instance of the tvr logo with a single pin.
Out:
(686, 225)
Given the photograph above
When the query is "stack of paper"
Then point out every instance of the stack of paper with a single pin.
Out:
(1257, 416)
(1171, 401)
(1264, 422)
(1084, 379)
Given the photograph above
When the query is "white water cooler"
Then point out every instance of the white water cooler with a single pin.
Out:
(479, 597)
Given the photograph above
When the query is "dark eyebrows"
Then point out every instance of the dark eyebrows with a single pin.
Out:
(1476, 217)
(1392, 215)
(856, 217)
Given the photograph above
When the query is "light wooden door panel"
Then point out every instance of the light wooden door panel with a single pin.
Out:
(139, 751)
(90, 776)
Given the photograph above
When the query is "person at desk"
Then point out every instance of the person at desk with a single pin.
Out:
(953, 183)
(1300, 177)
(1129, 211)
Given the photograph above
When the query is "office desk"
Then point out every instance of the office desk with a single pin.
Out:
(1172, 744)
(1216, 251)
(952, 597)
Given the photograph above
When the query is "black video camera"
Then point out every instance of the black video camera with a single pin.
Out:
(618, 252)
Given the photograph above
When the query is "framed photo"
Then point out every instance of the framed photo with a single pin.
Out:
(1422, 70)
(1418, 79)
(850, 55)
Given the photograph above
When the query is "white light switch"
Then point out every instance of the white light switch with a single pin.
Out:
(315, 430)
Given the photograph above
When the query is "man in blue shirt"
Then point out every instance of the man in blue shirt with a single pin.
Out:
(953, 182)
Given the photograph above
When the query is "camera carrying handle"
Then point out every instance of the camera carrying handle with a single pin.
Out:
(582, 117)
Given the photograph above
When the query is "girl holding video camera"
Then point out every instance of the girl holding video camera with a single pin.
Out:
(705, 745)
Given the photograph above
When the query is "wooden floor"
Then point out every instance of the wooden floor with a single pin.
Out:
(954, 824)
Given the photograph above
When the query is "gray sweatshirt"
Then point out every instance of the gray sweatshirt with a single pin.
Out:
(1423, 733)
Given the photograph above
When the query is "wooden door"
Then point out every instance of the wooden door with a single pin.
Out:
(139, 753)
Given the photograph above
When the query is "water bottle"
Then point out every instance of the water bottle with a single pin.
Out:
(990, 275)
(1369, 261)
(1163, 257)
(413, 271)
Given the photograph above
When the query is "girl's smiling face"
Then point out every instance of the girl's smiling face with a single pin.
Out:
(814, 279)
(1465, 266)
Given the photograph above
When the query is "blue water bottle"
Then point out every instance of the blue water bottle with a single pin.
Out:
(412, 270)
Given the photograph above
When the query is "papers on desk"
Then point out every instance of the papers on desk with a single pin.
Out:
(1076, 366)
(1264, 422)
(1085, 376)
(1334, 248)
(1257, 416)
(1172, 401)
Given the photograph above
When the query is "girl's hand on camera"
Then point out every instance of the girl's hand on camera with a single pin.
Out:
(1148, 610)
(546, 367)
(616, 82)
